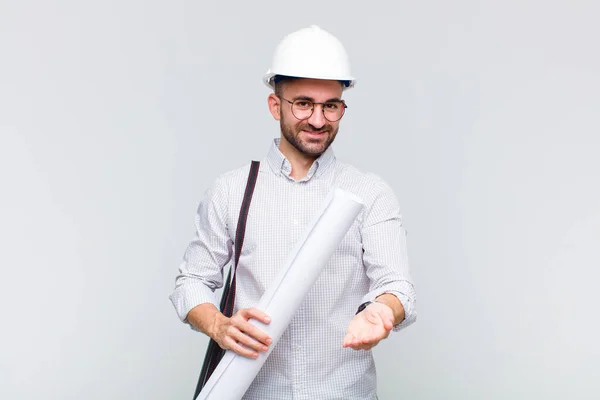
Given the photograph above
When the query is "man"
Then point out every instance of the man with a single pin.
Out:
(322, 353)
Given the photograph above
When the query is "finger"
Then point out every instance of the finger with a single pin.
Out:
(366, 341)
(256, 333)
(347, 340)
(369, 346)
(246, 340)
(362, 346)
(256, 314)
(352, 339)
(358, 347)
(240, 349)
(251, 330)
(374, 337)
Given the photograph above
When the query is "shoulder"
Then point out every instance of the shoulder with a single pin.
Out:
(229, 186)
(380, 201)
(367, 185)
(233, 177)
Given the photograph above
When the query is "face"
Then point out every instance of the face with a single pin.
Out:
(312, 136)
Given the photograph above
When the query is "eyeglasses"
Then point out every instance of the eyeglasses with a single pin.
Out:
(303, 109)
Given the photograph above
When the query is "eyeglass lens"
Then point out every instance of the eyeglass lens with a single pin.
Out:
(332, 110)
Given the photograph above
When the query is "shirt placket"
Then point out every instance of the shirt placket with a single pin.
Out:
(297, 345)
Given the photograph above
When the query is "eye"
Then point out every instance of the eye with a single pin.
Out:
(332, 106)
(304, 104)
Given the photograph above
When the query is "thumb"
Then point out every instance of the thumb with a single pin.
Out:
(388, 324)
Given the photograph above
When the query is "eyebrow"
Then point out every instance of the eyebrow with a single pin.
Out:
(313, 100)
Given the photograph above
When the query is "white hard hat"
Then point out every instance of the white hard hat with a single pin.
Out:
(311, 53)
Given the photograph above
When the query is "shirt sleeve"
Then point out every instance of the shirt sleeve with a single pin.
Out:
(384, 252)
(201, 271)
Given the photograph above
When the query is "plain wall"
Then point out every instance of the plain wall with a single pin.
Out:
(115, 116)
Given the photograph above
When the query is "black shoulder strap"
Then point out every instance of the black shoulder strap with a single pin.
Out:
(213, 352)
(228, 299)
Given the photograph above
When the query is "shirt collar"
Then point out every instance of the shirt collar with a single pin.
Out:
(280, 165)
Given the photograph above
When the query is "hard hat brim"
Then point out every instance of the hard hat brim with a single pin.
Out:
(348, 81)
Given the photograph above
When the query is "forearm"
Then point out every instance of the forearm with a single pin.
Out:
(392, 301)
(203, 318)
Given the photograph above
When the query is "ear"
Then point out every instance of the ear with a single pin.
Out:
(274, 106)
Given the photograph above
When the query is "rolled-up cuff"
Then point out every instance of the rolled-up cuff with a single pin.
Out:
(410, 314)
(189, 295)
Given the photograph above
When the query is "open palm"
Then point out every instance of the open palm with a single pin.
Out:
(369, 327)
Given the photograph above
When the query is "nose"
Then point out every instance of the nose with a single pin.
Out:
(317, 119)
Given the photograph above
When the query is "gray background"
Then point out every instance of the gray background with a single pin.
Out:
(115, 116)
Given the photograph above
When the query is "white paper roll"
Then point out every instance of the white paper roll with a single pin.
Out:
(285, 294)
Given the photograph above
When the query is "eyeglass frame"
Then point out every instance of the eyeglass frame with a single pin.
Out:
(344, 106)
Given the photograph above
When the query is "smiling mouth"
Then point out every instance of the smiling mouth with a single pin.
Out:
(315, 133)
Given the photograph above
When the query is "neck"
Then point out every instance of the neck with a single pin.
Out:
(300, 162)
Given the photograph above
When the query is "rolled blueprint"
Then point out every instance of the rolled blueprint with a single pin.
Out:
(285, 294)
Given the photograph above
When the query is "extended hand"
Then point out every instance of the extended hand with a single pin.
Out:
(239, 335)
(369, 327)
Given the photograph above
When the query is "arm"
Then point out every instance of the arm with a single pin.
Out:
(201, 273)
(385, 254)
(386, 264)
(211, 249)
